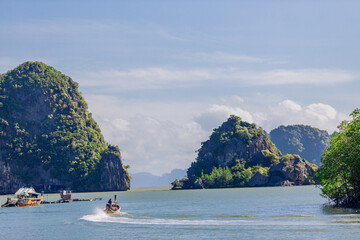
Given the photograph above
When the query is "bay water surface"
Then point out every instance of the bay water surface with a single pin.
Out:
(159, 213)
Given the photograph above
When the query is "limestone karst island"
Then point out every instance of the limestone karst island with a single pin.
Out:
(49, 140)
(240, 154)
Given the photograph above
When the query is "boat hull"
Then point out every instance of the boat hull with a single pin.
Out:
(111, 212)
(113, 209)
(28, 202)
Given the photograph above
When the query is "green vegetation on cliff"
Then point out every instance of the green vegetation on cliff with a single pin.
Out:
(46, 129)
(308, 142)
(340, 171)
(240, 154)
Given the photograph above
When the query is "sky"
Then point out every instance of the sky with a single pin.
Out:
(159, 76)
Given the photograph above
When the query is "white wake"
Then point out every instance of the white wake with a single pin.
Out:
(125, 218)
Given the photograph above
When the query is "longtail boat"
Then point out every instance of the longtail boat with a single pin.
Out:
(25, 197)
(113, 207)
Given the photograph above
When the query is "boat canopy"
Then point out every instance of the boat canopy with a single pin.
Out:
(23, 191)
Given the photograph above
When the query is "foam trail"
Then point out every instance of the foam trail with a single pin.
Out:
(125, 218)
(157, 221)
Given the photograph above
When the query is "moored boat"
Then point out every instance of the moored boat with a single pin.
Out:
(28, 197)
(25, 197)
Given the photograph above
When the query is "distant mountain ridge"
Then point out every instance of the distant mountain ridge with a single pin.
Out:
(49, 140)
(144, 179)
(308, 142)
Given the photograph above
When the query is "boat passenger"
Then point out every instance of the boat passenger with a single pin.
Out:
(116, 205)
(108, 205)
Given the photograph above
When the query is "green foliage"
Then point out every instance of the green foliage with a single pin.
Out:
(314, 167)
(175, 183)
(241, 178)
(242, 141)
(44, 121)
(286, 159)
(308, 142)
(218, 177)
(340, 172)
(231, 133)
(271, 157)
(237, 176)
(263, 170)
(235, 129)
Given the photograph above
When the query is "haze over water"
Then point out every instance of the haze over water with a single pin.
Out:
(158, 213)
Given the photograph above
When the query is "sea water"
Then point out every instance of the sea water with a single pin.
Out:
(159, 213)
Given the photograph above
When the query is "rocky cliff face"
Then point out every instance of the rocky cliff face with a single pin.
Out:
(292, 170)
(240, 154)
(114, 175)
(48, 139)
(8, 181)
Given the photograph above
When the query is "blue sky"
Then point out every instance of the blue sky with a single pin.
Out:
(160, 75)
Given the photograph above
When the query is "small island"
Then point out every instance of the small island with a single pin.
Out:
(49, 140)
(240, 154)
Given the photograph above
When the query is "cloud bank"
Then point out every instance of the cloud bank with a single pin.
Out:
(157, 138)
(159, 77)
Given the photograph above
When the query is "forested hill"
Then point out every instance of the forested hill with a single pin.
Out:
(49, 139)
(308, 142)
(240, 154)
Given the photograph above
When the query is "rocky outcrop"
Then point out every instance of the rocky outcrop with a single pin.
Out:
(9, 183)
(258, 180)
(48, 139)
(292, 170)
(114, 175)
(234, 140)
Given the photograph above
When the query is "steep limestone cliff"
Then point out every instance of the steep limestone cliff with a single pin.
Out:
(48, 139)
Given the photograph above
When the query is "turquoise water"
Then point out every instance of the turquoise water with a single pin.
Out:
(158, 213)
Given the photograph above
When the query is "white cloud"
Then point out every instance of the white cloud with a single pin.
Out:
(157, 137)
(304, 76)
(291, 105)
(139, 79)
(239, 99)
(154, 145)
(216, 114)
(225, 57)
(153, 136)
(320, 111)
(320, 115)
(159, 77)
(219, 58)
(121, 124)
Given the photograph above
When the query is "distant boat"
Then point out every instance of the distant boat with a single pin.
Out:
(25, 197)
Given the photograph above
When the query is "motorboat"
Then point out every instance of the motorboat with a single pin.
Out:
(113, 207)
